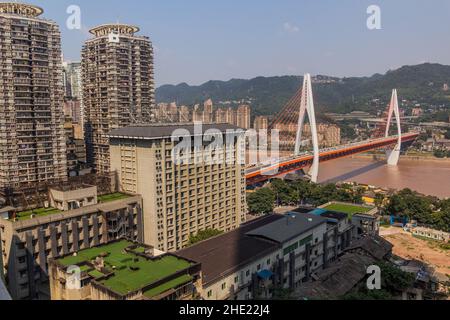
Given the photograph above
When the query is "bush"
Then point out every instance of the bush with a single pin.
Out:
(203, 235)
(261, 201)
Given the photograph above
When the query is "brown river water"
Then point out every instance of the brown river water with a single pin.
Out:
(425, 176)
(430, 177)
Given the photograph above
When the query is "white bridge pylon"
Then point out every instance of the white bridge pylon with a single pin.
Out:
(307, 106)
(393, 156)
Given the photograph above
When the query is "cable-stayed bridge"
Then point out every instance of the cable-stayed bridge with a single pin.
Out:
(294, 115)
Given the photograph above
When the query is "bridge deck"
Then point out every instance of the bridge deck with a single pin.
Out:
(289, 164)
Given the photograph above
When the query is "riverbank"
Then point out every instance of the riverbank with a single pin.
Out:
(382, 157)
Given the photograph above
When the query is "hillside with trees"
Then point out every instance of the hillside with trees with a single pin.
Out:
(422, 83)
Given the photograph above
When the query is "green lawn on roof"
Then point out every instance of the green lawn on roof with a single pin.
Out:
(168, 285)
(41, 212)
(131, 272)
(113, 249)
(112, 197)
(347, 208)
(96, 274)
(85, 268)
(126, 280)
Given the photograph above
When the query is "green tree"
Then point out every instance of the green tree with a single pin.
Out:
(368, 295)
(443, 216)
(282, 294)
(203, 235)
(393, 279)
(379, 200)
(447, 134)
(358, 195)
(261, 201)
(410, 204)
(285, 193)
(303, 190)
(440, 154)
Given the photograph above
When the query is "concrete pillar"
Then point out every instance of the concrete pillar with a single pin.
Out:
(54, 241)
(30, 264)
(140, 226)
(85, 233)
(64, 238)
(325, 250)
(307, 106)
(393, 156)
(292, 270)
(42, 250)
(130, 227)
(75, 236)
(308, 260)
(95, 229)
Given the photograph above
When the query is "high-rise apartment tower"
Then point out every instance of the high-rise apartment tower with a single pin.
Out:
(32, 140)
(118, 86)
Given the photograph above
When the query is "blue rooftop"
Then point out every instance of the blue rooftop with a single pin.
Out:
(265, 274)
(318, 211)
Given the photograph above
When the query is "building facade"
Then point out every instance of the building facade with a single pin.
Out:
(30, 237)
(73, 111)
(265, 255)
(180, 199)
(243, 117)
(118, 86)
(208, 111)
(73, 80)
(261, 123)
(4, 294)
(32, 141)
(184, 114)
(76, 149)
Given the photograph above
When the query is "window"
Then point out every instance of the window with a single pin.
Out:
(268, 262)
(290, 248)
(224, 286)
(247, 273)
(259, 267)
(305, 240)
(209, 293)
(236, 279)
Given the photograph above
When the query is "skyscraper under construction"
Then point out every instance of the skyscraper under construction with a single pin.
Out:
(32, 140)
(118, 86)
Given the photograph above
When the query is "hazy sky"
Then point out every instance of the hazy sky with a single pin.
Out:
(200, 40)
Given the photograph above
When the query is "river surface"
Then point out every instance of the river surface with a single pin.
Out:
(425, 176)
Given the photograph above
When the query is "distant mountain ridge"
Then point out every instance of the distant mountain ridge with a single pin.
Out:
(423, 83)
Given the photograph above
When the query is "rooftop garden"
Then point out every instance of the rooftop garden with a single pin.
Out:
(41, 212)
(168, 285)
(130, 271)
(112, 197)
(349, 209)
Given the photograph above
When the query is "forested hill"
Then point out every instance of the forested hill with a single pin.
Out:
(422, 83)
